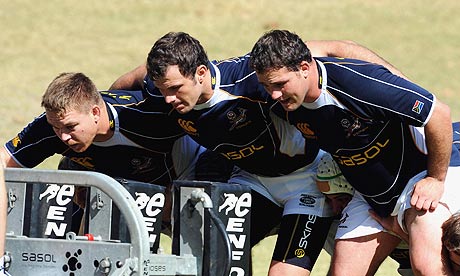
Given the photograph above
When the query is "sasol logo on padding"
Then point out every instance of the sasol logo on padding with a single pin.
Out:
(38, 257)
(187, 126)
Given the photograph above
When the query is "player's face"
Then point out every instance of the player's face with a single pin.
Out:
(182, 92)
(287, 87)
(338, 201)
(76, 129)
(455, 262)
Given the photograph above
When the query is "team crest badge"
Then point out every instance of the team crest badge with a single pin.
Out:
(237, 119)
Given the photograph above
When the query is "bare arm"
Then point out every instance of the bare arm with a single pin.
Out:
(3, 210)
(6, 160)
(438, 133)
(132, 80)
(348, 49)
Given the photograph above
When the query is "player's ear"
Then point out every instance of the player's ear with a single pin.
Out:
(304, 68)
(201, 72)
(96, 112)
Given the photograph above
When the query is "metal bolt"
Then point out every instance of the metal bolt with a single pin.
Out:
(104, 265)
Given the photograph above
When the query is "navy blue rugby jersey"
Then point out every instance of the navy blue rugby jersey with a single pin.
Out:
(366, 118)
(237, 122)
(140, 148)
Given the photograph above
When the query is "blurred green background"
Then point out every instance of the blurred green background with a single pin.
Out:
(104, 39)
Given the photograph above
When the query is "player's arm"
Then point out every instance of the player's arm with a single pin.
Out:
(132, 80)
(348, 49)
(438, 133)
(6, 160)
(3, 211)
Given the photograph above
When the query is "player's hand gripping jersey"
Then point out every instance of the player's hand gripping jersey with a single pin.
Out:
(140, 148)
(237, 122)
(361, 118)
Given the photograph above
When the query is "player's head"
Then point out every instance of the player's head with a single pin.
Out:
(282, 62)
(175, 48)
(69, 91)
(177, 64)
(73, 108)
(451, 241)
(277, 49)
(332, 184)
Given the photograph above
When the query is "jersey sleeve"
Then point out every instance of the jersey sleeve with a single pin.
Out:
(36, 142)
(374, 91)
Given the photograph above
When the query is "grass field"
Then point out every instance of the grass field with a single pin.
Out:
(107, 38)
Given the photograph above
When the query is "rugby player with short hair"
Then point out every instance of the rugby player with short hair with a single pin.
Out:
(110, 132)
(222, 106)
(390, 137)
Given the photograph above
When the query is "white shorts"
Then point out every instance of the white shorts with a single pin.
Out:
(450, 196)
(296, 192)
(357, 222)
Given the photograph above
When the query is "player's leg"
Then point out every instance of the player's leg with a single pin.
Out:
(401, 255)
(266, 213)
(300, 240)
(361, 244)
(362, 255)
(265, 217)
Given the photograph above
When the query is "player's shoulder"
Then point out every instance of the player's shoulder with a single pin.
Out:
(456, 134)
(235, 76)
(348, 64)
(234, 68)
(37, 131)
(122, 97)
(352, 69)
(232, 61)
